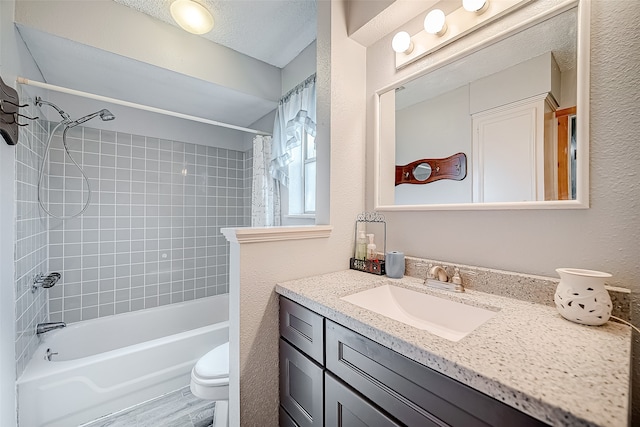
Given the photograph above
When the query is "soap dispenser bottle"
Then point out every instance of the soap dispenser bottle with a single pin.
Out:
(372, 255)
(361, 246)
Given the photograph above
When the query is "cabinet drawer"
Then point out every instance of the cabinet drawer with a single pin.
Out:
(409, 391)
(301, 387)
(346, 408)
(302, 328)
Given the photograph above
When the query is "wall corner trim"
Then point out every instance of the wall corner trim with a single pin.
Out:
(273, 234)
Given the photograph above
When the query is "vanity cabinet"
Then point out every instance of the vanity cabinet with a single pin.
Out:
(301, 366)
(346, 408)
(363, 383)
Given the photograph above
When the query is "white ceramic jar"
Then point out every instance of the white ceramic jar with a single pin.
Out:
(581, 296)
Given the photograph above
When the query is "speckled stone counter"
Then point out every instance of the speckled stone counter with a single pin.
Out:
(527, 356)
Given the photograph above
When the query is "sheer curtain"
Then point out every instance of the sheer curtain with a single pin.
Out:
(296, 114)
(265, 197)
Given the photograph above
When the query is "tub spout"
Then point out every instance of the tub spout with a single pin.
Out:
(41, 328)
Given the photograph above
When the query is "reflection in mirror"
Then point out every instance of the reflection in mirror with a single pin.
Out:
(422, 172)
(510, 107)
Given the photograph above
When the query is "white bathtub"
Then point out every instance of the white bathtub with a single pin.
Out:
(108, 364)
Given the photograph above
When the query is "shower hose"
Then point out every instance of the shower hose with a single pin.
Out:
(44, 162)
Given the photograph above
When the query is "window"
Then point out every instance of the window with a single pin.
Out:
(302, 177)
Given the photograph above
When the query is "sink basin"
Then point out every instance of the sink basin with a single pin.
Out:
(447, 319)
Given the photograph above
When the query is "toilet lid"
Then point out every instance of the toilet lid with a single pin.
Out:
(214, 364)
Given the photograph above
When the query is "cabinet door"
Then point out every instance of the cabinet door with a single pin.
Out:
(345, 408)
(301, 387)
(508, 153)
(303, 328)
(285, 419)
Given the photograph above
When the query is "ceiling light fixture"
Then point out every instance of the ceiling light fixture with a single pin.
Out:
(192, 16)
(435, 22)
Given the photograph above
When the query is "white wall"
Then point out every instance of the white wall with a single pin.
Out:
(524, 80)
(301, 67)
(437, 128)
(603, 237)
(14, 61)
(257, 267)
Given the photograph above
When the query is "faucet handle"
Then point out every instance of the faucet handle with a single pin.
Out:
(456, 279)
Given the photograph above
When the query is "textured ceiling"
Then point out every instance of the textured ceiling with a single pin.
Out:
(273, 31)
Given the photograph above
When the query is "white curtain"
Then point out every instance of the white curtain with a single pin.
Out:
(296, 113)
(265, 198)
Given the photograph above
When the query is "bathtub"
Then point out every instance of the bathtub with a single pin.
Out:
(111, 363)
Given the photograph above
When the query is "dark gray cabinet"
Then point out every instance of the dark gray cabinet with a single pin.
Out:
(301, 366)
(363, 383)
(303, 328)
(286, 420)
(345, 408)
(409, 391)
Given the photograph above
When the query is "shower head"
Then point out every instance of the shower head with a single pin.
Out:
(104, 114)
(65, 117)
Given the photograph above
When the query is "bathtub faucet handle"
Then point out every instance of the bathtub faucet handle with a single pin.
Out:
(49, 354)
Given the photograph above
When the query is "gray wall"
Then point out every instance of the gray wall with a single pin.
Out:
(603, 237)
(14, 60)
(30, 238)
(151, 235)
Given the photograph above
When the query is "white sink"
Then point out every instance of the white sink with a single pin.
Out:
(447, 319)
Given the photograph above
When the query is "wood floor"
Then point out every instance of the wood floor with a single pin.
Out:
(177, 409)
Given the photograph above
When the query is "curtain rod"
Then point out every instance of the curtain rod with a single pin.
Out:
(299, 86)
(25, 81)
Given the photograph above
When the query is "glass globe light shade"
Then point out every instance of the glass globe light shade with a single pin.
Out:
(474, 5)
(401, 42)
(435, 22)
(191, 16)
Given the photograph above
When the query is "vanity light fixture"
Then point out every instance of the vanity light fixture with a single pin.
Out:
(401, 42)
(191, 16)
(435, 22)
(448, 28)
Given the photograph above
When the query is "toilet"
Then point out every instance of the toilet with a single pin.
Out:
(210, 375)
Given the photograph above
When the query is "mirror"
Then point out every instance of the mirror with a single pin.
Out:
(516, 107)
(422, 172)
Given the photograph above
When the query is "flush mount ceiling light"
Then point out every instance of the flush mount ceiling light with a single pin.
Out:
(192, 16)
(435, 22)
(468, 17)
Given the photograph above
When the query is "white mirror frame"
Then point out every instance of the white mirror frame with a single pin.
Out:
(385, 173)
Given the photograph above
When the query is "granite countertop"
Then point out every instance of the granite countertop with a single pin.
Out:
(527, 356)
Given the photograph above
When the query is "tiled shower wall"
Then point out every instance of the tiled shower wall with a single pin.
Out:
(31, 237)
(151, 235)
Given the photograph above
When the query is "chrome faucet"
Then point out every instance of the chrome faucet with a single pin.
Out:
(437, 278)
(41, 328)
